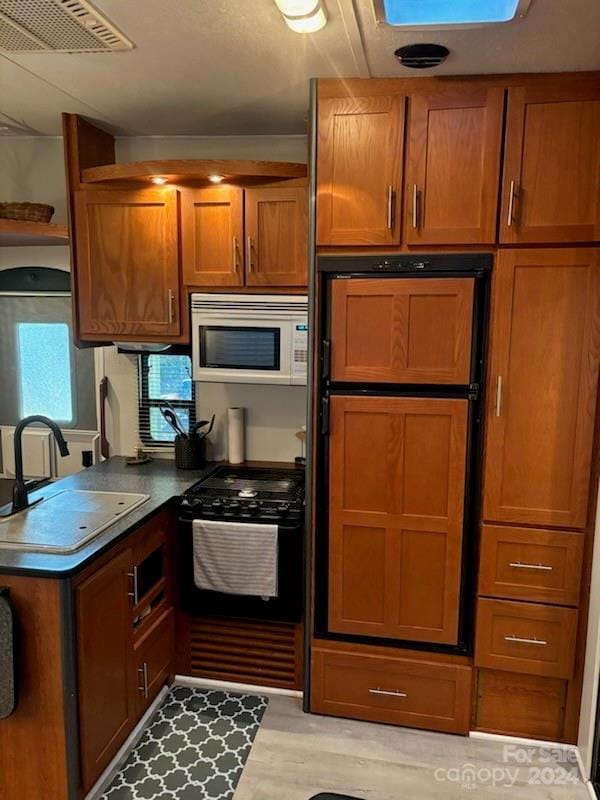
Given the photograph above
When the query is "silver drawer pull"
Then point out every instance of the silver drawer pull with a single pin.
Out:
(521, 640)
(519, 565)
(390, 694)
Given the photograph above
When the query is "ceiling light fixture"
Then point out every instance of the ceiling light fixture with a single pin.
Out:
(303, 16)
(216, 178)
(158, 180)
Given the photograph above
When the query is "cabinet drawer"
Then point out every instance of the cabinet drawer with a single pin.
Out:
(421, 694)
(529, 564)
(154, 655)
(525, 637)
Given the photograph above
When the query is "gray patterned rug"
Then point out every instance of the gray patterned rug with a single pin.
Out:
(194, 748)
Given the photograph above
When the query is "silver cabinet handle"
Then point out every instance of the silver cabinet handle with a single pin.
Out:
(133, 575)
(249, 247)
(235, 253)
(390, 207)
(390, 694)
(170, 298)
(519, 565)
(415, 206)
(521, 640)
(143, 670)
(511, 200)
(499, 395)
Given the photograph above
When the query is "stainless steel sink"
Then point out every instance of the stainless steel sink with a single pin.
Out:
(66, 521)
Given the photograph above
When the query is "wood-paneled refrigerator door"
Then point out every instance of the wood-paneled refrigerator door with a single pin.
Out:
(402, 330)
(397, 481)
(543, 385)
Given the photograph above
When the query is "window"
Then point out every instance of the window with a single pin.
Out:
(450, 12)
(165, 381)
(44, 370)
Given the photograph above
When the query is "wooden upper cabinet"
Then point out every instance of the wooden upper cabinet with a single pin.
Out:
(359, 170)
(396, 477)
(276, 236)
(452, 166)
(542, 386)
(402, 330)
(551, 186)
(104, 665)
(127, 279)
(212, 236)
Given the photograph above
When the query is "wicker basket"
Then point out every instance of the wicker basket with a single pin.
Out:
(31, 212)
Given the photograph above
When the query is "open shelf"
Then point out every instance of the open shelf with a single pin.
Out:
(22, 233)
(193, 172)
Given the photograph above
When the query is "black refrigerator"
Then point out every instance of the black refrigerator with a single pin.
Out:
(399, 396)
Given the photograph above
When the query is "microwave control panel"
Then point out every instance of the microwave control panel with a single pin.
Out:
(299, 352)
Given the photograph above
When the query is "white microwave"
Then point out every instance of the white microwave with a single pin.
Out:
(250, 338)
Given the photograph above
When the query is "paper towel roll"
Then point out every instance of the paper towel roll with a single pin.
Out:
(236, 435)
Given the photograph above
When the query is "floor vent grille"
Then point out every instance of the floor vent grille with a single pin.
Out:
(64, 26)
(246, 651)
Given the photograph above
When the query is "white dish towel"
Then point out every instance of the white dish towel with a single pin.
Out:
(236, 557)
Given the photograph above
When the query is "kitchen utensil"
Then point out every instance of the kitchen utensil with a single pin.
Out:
(197, 429)
(172, 420)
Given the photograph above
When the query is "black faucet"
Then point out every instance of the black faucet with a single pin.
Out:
(19, 495)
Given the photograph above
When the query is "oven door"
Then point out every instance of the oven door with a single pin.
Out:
(226, 350)
(288, 604)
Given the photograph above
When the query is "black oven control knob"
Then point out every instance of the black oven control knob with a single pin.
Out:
(233, 505)
(253, 507)
(217, 504)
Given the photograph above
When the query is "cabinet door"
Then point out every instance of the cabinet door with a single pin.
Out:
(104, 665)
(402, 330)
(551, 190)
(543, 384)
(127, 271)
(154, 654)
(453, 164)
(212, 236)
(359, 170)
(397, 478)
(276, 237)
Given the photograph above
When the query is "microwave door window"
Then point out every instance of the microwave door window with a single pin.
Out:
(244, 348)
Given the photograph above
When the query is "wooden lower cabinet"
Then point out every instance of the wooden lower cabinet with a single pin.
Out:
(104, 665)
(528, 564)
(520, 705)
(153, 658)
(526, 637)
(391, 688)
(125, 649)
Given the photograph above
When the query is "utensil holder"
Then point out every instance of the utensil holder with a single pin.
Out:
(190, 452)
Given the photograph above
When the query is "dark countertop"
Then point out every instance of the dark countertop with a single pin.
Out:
(159, 479)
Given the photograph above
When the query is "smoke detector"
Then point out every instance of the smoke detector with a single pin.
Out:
(58, 26)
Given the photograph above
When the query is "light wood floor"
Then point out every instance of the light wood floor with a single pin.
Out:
(297, 755)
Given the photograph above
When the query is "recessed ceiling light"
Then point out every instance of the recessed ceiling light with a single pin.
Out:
(303, 16)
(216, 178)
(158, 180)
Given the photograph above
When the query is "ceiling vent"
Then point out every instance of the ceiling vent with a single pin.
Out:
(58, 26)
(421, 56)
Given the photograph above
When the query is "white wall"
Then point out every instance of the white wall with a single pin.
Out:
(32, 169)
